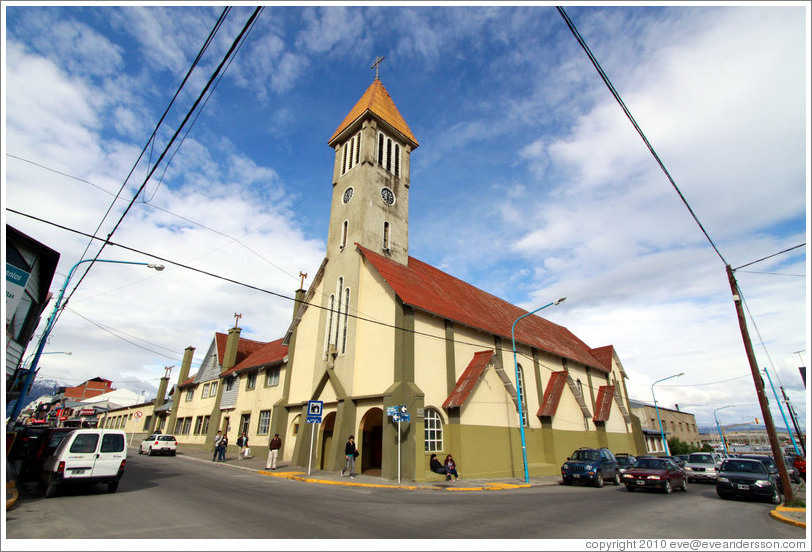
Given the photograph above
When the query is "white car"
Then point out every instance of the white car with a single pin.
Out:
(86, 456)
(159, 444)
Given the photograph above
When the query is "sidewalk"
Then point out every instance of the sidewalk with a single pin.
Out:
(256, 462)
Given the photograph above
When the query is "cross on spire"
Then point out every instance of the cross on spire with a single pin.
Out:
(378, 60)
(237, 319)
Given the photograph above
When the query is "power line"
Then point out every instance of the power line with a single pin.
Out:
(237, 40)
(634, 123)
(770, 256)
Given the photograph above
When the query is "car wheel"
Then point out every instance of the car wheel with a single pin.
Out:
(112, 486)
(723, 495)
(616, 479)
(629, 488)
(151, 453)
(140, 450)
(599, 480)
(669, 488)
(51, 488)
(567, 481)
(684, 486)
(776, 498)
(173, 452)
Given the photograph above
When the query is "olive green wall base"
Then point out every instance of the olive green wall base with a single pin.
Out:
(494, 452)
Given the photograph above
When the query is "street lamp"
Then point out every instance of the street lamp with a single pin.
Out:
(662, 432)
(519, 391)
(49, 325)
(722, 437)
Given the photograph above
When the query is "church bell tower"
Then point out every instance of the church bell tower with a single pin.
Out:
(370, 203)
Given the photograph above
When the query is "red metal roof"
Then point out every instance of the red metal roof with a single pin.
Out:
(269, 353)
(244, 347)
(376, 100)
(552, 395)
(603, 404)
(431, 290)
(468, 379)
(604, 356)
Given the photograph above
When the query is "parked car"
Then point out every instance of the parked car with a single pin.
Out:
(591, 465)
(86, 456)
(792, 468)
(677, 460)
(40, 449)
(624, 461)
(159, 444)
(655, 473)
(769, 463)
(701, 466)
(746, 477)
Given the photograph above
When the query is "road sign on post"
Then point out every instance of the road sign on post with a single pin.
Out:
(314, 412)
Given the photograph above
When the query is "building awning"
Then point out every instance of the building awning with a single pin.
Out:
(603, 404)
(552, 395)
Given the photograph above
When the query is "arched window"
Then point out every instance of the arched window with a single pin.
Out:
(339, 289)
(328, 331)
(433, 430)
(346, 312)
(386, 236)
(344, 229)
(522, 394)
(389, 152)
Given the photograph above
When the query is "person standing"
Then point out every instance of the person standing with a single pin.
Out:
(242, 442)
(273, 452)
(450, 468)
(350, 453)
(217, 439)
(223, 446)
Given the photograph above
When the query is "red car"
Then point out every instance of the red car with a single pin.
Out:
(655, 473)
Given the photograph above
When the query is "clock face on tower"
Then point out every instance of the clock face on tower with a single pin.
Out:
(347, 195)
(388, 196)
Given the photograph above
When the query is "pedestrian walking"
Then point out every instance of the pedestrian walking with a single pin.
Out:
(350, 453)
(242, 442)
(217, 439)
(273, 452)
(223, 446)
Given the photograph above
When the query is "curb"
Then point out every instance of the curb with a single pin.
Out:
(11, 489)
(776, 514)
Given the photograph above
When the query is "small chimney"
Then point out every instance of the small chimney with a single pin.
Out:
(230, 355)
(677, 407)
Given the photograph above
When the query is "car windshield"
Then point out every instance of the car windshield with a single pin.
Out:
(743, 466)
(701, 459)
(650, 464)
(590, 455)
(624, 461)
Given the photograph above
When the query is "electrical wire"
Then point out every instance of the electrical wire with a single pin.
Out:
(248, 25)
(619, 100)
(770, 256)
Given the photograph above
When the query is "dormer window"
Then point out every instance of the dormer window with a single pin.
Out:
(351, 154)
(388, 154)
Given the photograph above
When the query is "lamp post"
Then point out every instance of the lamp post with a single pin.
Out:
(657, 410)
(519, 391)
(49, 325)
(721, 437)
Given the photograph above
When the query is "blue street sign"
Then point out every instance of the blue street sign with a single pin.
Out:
(402, 418)
(392, 410)
(314, 412)
(403, 409)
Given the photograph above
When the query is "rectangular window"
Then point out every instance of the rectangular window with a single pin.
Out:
(205, 392)
(147, 420)
(229, 383)
(205, 428)
(380, 148)
(178, 426)
(187, 425)
(198, 424)
(190, 394)
(251, 381)
(272, 376)
(213, 390)
(245, 421)
(264, 422)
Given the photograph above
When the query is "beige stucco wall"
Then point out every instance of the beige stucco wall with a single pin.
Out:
(308, 353)
(253, 401)
(198, 406)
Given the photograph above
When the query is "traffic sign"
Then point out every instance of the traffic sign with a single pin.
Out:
(137, 414)
(402, 417)
(314, 412)
(392, 410)
(403, 409)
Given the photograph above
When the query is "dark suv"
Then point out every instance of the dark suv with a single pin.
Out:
(591, 465)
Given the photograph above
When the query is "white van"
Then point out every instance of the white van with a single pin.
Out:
(86, 456)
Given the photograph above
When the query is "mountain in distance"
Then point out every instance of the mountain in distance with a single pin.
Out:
(39, 388)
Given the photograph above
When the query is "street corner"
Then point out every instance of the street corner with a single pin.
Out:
(792, 516)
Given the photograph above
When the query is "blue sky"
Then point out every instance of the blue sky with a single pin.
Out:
(529, 181)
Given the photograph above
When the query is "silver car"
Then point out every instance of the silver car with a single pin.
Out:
(701, 466)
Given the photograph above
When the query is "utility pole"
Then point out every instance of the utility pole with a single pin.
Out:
(794, 419)
(778, 454)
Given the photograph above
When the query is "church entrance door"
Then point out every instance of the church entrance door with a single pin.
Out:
(327, 426)
(372, 443)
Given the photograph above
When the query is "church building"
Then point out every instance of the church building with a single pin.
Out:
(379, 330)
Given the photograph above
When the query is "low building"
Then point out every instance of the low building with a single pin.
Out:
(675, 423)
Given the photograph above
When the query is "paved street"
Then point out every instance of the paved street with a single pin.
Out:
(185, 497)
